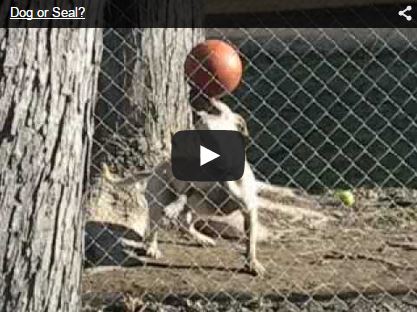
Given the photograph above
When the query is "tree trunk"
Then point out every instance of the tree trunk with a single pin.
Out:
(48, 79)
(156, 99)
(158, 92)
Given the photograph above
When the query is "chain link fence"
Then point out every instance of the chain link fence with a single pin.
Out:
(327, 110)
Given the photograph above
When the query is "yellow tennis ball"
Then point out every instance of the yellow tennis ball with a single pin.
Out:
(346, 197)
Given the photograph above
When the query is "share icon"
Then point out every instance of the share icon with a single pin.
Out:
(403, 13)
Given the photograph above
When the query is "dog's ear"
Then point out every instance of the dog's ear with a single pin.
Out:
(242, 126)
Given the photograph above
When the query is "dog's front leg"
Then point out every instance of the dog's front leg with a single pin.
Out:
(152, 249)
(251, 230)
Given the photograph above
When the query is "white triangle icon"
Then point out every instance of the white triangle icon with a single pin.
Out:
(207, 155)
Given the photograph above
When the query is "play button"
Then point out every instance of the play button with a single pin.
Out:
(208, 155)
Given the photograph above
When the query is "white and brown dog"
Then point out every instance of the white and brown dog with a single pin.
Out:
(186, 202)
(170, 197)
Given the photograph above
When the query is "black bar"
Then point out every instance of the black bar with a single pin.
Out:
(127, 14)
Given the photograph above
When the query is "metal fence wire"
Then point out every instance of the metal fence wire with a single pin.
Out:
(332, 116)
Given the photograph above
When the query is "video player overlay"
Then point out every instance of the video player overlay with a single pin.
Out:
(192, 13)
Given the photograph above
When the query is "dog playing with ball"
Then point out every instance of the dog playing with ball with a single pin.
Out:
(187, 202)
(214, 67)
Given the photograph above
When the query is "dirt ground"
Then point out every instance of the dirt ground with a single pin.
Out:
(371, 251)
(338, 262)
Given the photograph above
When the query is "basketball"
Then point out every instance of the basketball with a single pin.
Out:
(214, 67)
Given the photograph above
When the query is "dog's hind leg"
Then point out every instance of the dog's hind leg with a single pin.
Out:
(187, 223)
(201, 238)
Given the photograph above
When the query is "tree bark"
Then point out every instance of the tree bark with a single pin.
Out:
(48, 80)
(158, 92)
(156, 99)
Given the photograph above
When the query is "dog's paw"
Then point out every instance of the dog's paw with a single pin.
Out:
(173, 210)
(206, 242)
(256, 268)
(153, 252)
(202, 240)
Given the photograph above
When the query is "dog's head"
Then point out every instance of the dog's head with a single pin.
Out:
(223, 118)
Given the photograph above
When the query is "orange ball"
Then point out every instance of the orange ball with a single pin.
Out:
(214, 67)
